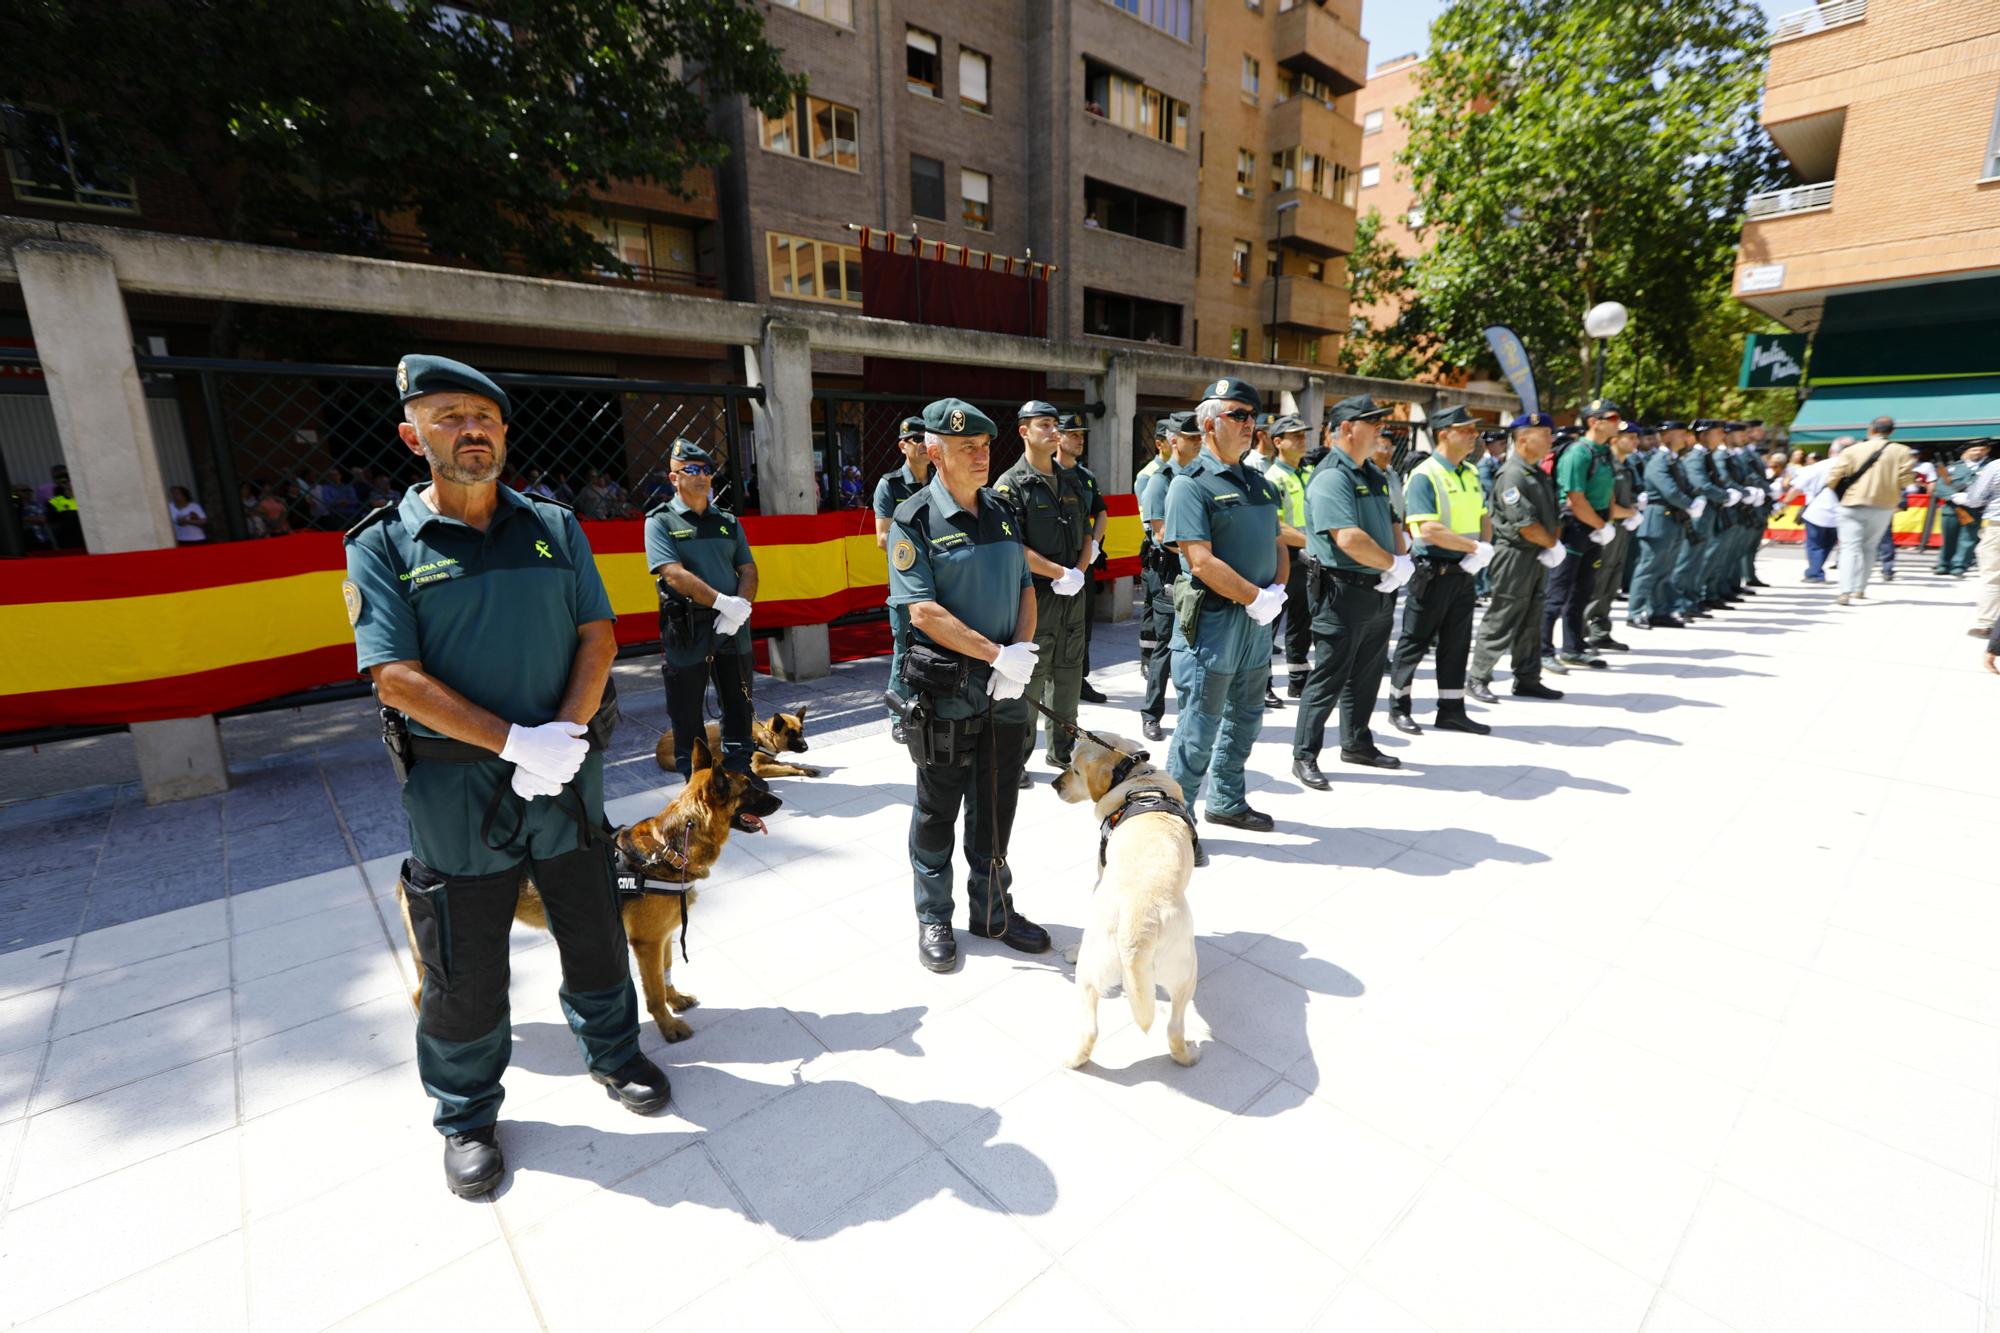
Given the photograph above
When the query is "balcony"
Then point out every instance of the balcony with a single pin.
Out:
(1788, 203)
(1817, 18)
(1304, 303)
(1319, 128)
(1318, 226)
(1321, 40)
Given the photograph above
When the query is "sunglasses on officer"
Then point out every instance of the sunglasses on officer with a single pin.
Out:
(693, 469)
(1241, 416)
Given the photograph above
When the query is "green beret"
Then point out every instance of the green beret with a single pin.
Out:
(955, 416)
(911, 428)
(1234, 391)
(687, 451)
(419, 375)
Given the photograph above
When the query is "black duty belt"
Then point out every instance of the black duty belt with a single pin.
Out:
(1440, 563)
(1148, 801)
(1359, 578)
(444, 750)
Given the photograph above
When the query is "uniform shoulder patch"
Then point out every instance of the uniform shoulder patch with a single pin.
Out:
(903, 554)
(351, 595)
(1512, 495)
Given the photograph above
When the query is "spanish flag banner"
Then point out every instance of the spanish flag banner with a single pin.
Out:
(149, 635)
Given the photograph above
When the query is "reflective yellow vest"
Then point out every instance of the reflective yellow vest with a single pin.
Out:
(1291, 492)
(61, 503)
(1461, 499)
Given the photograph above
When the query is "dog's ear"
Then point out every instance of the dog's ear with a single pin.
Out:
(800, 712)
(703, 756)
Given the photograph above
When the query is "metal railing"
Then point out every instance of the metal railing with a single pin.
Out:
(1783, 203)
(855, 439)
(1805, 22)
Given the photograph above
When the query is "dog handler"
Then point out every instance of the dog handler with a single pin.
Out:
(957, 567)
(707, 581)
(481, 617)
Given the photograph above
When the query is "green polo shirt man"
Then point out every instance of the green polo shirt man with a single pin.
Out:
(480, 616)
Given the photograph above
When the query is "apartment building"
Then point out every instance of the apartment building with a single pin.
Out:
(1384, 186)
(1886, 249)
(1280, 180)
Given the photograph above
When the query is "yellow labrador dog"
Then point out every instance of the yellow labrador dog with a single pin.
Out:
(1140, 930)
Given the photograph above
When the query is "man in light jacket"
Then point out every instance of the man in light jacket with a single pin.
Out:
(1873, 475)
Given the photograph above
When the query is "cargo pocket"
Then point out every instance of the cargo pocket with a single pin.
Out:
(430, 919)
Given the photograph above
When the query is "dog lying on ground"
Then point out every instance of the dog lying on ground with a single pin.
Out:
(678, 844)
(784, 734)
(1140, 930)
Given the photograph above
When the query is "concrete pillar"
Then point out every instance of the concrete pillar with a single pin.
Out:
(84, 341)
(1312, 408)
(1108, 453)
(782, 364)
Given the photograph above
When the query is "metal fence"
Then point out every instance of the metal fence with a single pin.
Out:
(855, 439)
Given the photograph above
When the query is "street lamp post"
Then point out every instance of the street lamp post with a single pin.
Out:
(1605, 320)
(1278, 271)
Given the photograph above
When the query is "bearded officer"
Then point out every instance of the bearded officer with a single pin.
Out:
(1452, 543)
(1223, 518)
(958, 569)
(1069, 450)
(1289, 473)
(1662, 528)
(707, 582)
(1051, 509)
(894, 488)
(1164, 564)
(1525, 549)
(479, 614)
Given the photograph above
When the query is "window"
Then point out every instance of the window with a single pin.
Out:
(1246, 172)
(1239, 263)
(1316, 269)
(1370, 177)
(48, 166)
(833, 11)
(1133, 318)
(1239, 343)
(921, 62)
(830, 135)
(1173, 17)
(1133, 105)
(927, 187)
(1415, 220)
(628, 241)
(1252, 75)
(1292, 85)
(1109, 207)
(1372, 123)
(1297, 169)
(972, 71)
(1270, 347)
(814, 270)
(976, 190)
(1309, 351)
(1993, 147)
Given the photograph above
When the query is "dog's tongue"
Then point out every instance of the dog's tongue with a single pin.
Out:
(749, 823)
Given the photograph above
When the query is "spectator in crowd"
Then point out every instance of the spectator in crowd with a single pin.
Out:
(337, 504)
(299, 513)
(34, 519)
(850, 487)
(272, 509)
(1820, 515)
(593, 498)
(65, 522)
(1979, 498)
(250, 496)
(57, 475)
(381, 490)
(534, 483)
(190, 519)
(1869, 480)
(1957, 538)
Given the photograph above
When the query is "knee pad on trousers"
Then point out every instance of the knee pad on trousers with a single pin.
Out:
(459, 928)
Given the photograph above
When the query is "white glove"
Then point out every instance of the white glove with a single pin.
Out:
(1731, 497)
(529, 784)
(730, 613)
(1068, 583)
(1553, 557)
(1000, 689)
(1477, 559)
(1644, 499)
(1397, 574)
(1604, 536)
(1699, 507)
(1264, 608)
(1777, 491)
(1016, 661)
(1632, 523)
(554, 750)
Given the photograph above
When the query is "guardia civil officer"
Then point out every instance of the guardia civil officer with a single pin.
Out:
(1051, 509)
(1163, 563)
(1611, 564)
(1452, 543)
(1663, 527)
(1695, 571)
(1525, 548)
(1223, 518)
(1356, 563)
(1069, 450)
(479, 613)
(894, 488)
(1585, 483)
(1748, 461)
(707, 581)
(1289, 473)
(958, 569)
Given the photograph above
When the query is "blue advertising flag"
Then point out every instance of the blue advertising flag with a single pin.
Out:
(1513, 358)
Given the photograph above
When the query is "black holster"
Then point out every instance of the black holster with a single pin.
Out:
(683, 622)
(933, 741)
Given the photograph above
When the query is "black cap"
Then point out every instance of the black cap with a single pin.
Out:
(687, 451)
(1234, 391)
(911, 428)
(1071, 421)
(1666, 426)
(1702, 424)
(1456, 415)
(1358, 408)
(418, 375)
(1601, 407)
(1287, 424)
(1035, 407)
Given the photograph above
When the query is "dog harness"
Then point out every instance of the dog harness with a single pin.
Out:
(1148, 801)
(636, 878)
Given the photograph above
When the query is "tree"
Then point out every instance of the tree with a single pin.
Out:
(1380, 276)
(334, 122)
(1567, 152)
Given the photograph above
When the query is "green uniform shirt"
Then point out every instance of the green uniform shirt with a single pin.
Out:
(492, 614)
(973, 566)
(1586, 466)
(1440, 493)
(1233, 509)
(709, 545)
(1096, 503)
(1051, 510)
(894, 488)
(1153, 496)
(1522, 496)
(1153, 465)
(1344, 494)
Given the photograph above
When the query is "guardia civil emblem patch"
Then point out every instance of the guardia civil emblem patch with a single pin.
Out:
(352, 596)
(1512, 495)
(903, 555)
(957, 420)
(402, 378)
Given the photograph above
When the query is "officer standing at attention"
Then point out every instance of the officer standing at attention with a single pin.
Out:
(1356, 563)
(1586, 483)
(707, 580)
(1289, 473)
(1662, 528)
(1453, 542)
(1050, 509)
(1695, 572)
(1525, 549)
(894, 488)
(1164, 564)
(957, 567)
(480, 616)
(1223, 517)
(1154, 627)
(1748, 462)
(1611, 566)
(1069, 449)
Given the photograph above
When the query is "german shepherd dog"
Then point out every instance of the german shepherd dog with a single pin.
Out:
(689, 833)
(785, 733)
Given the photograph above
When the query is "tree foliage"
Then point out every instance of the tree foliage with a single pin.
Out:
(1567, 152)
(1378, 276)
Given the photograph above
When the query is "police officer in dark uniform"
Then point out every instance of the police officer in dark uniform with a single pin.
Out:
(1525, 548)
(1051, 505)
(1069, 449)
(894, 488)
(1695, 572)
(1586, 483)
(480, 615)
(1663, 526)
(707, 581)
(1452, 543)
(1611, 564)
(958, 569)
(1289, 473)
(1163, 566)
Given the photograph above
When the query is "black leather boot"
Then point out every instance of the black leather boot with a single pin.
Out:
(639, 1083)
(1017, 933)
(1451, 717)
(937, 947)
(472, 1163)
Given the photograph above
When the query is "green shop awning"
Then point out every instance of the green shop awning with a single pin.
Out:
(1925, 410)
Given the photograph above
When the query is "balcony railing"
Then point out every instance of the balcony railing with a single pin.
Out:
(1784, 203)
(1805, 22)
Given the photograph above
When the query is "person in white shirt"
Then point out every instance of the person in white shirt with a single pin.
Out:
(1821, 516)
(189, 518)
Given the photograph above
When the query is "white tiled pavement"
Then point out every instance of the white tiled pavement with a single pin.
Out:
(1672, 1007)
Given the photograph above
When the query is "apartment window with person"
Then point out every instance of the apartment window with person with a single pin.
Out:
(1252, 75)
(810, 270)
(49, 165)
(973, 69)
(817, 129)
(924, 72)
(1239, 263)
(976, 191)
(927, 187)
